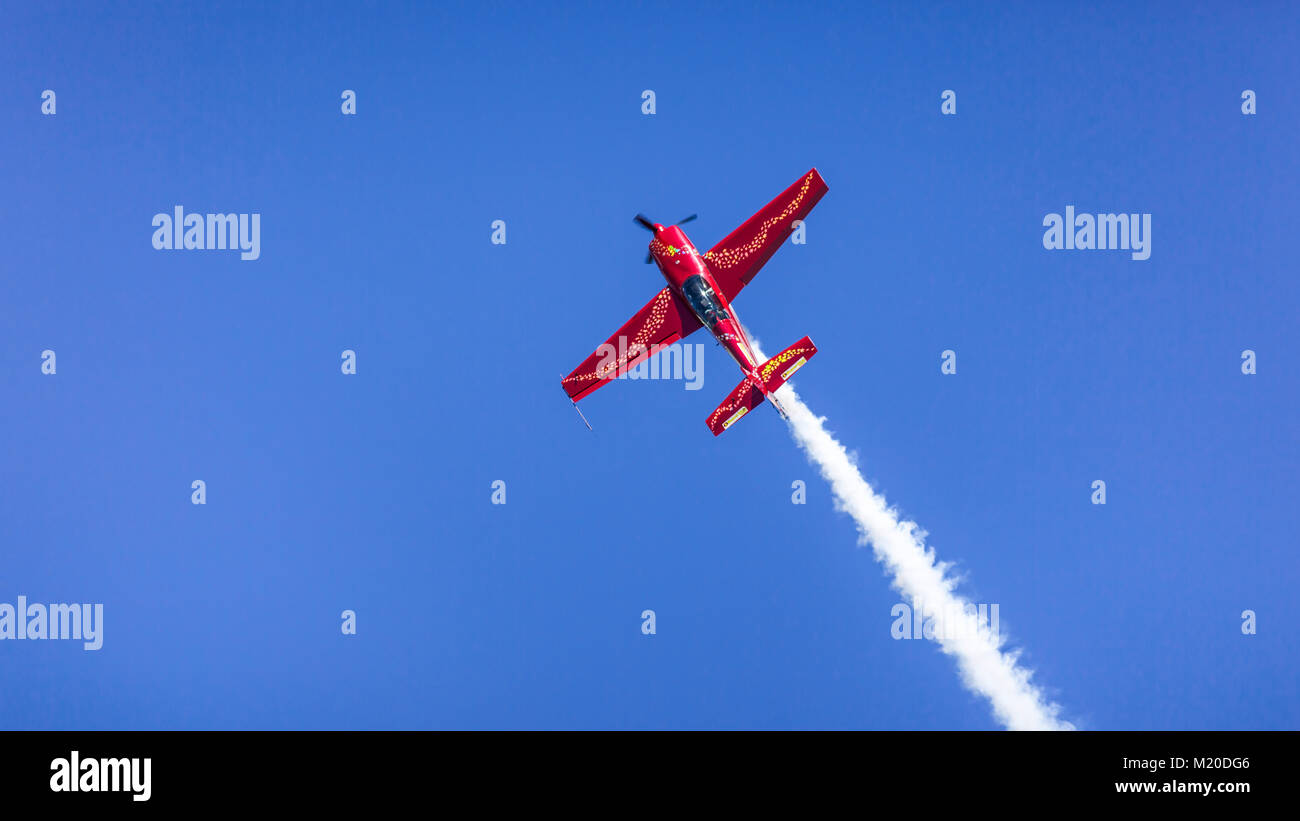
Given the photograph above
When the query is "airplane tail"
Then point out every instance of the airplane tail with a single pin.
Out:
(771, 375)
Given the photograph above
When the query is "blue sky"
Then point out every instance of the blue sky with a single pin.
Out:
(371, 492)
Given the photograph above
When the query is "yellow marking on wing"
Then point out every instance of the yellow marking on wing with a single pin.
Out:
(730, 257)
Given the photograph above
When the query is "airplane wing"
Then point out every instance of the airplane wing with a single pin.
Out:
(738, 257)
(664, 320)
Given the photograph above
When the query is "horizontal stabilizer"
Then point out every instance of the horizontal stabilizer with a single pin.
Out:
(777, 370)
(739, 402)
(773, 373)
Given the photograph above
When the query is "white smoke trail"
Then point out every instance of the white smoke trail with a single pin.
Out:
(900, 546)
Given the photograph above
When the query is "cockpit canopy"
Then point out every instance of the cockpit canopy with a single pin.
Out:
(703, 301)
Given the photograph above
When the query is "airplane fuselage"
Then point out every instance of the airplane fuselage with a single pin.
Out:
(690, 278)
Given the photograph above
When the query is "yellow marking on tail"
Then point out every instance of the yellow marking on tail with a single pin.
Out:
(734, 417)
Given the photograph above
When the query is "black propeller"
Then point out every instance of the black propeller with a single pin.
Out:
(644, 222)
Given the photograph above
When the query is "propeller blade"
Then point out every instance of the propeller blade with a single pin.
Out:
(688, 219)
(648, 258)
(644, 222)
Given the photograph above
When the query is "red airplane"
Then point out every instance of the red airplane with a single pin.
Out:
(700, 291)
